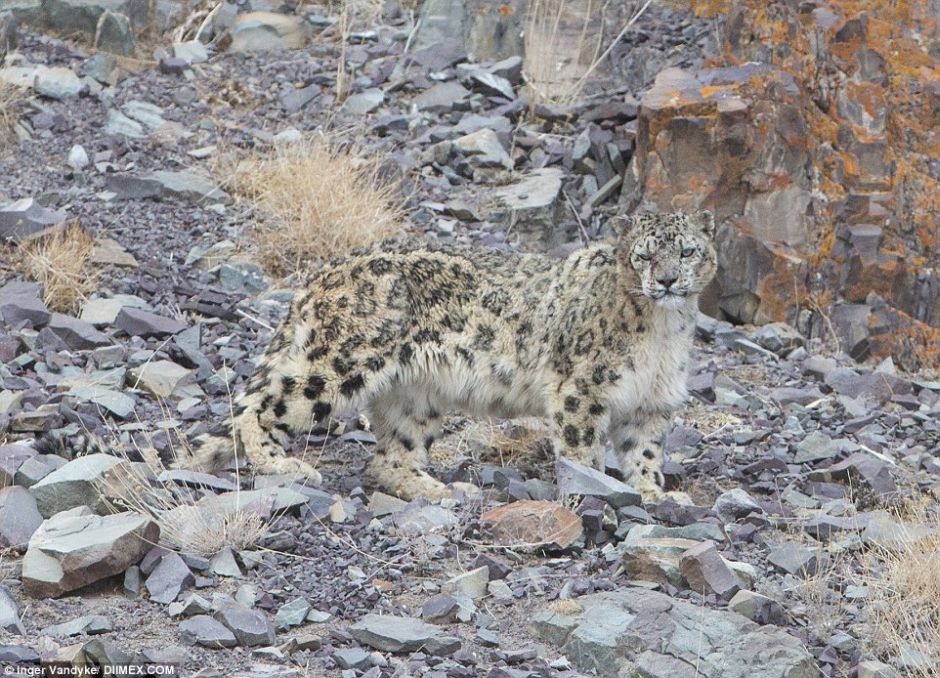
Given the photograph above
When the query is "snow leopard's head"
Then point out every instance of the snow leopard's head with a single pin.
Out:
(673, 254)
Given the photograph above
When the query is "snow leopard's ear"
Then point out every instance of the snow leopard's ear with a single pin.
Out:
(626, 226)
(706, 222)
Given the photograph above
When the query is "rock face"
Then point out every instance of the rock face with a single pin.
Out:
(486, 31)
(78, 483)
(76, 548)
(817, 180)
(640, 632)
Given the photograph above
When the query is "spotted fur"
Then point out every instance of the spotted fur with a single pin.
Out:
(597, 343)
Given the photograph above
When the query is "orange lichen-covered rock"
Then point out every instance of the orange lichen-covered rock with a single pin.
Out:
(825, 117)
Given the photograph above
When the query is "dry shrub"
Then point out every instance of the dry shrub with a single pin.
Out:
(903, 578)
(315, 200)
(59, 263)
(189, 522)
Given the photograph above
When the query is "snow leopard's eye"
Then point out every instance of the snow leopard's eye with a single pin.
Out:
(645, 256)
(688, 251)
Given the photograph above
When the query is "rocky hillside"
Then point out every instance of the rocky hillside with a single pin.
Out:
(141, 278)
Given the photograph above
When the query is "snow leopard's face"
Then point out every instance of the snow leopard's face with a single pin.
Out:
(673, 254)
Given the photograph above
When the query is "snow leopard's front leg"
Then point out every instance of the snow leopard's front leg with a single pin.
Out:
(637, 438)
(578, 422)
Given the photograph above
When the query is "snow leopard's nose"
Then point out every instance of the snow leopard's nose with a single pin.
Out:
(667, 278)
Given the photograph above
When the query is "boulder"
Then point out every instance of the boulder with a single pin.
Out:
(267, 31)
(532, 205)
(76, 548)
(19, 517)
(84, 481)
(646, 633)
(388, 633)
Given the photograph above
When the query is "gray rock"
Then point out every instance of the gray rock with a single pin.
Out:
(129, 187)
(193, 604)
(250, 627)
(12, 458)
(58, 82)
(118, 404)
(292, 614)
(26, 217)
(778, 338)
(472, 584)
(19, 517)
(661, 634)
(76, 548)
(161, 378)
(191, 51)
(735, 504)
(795, 559)
(17, 654)
(267, 31)
(706, 572)
(441, 97)
(441, 609)
(169, 578)
(387, 633)
(353, 658)
(532, 204)
(655, 560)
(16, 309)
(863, 469)
(364, 102)
(140, 323)
(579, 480)
(695, 532)
(818, 446)
(472, 26)
(224, 564)
(114, 34)
(757, 608)
(80, 482)
(381, 504)
(483, 149)
(10, 614)
(423, 519)
(78, 158)
(77, 334)
(120, 125)
(206, 631)
(35, 468)
(509, 68)
(491, 84)
(876, 669)
(90, 624)
(189, 186)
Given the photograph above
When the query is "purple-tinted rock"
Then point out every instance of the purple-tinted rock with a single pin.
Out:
(77, 334)
(139, 323)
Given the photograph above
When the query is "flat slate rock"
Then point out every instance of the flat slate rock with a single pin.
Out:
(387, 633)
(78, 483)
(599, 632)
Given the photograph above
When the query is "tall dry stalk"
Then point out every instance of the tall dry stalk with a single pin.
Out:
(11, 100)
(563, 45)
(903, 578)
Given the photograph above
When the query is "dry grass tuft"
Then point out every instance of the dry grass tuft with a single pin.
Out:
(11, 101)
(315, 200)
(59, 263)
(188, 522)
(903, 609)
